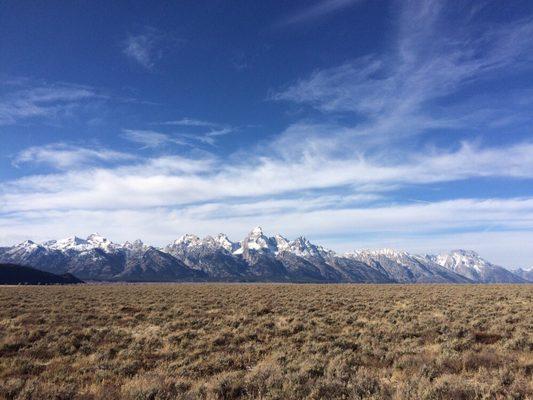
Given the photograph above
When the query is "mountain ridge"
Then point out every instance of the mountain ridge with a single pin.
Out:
(257, 257)
(12, 274)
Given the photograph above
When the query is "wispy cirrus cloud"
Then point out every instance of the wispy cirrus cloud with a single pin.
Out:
(173, 182)
(27, 100)
(151, 139)
(142, 48)
(66, 156)
(209, 137)
(316, 11)
(148, 47)
(154, 139)
(391, 93)
(198, 132)
(192, 122)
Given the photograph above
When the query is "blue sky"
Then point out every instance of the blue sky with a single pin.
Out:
(355, 123)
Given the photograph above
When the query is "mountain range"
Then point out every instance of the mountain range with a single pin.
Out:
(256, 258)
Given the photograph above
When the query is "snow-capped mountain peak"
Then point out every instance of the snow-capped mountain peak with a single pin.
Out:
(28, 243)
(257, 241)
(136, 245)
(97, 241)
(466, 253)
(468, 263)
(304, 248)
(384, 252)
(282, 244)
(69, 243)
(188, 240)
(256, 232)
(96, 238)
(457, 259)
(223, 241)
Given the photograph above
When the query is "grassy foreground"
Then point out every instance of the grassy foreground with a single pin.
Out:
(224, 341)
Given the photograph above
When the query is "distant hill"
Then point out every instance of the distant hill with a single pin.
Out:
(13, 274)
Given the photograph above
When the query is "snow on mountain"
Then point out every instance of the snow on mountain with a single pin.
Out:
(23, 250)
(282, 244)
(304, 248)
(189, 241)
(375, 253)
(93, 241)
(404, 267)
(256, 258)
(257, 241)
(211, 255)
(468, 263)
(98, 241)
(73, 242)
(136, 246)
(458, 259)
(223, 241)
(27, 245)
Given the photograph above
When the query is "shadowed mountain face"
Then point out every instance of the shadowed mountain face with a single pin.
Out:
(11, 274)
(257, 258)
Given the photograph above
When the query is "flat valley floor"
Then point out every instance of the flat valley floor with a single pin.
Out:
(266, 341)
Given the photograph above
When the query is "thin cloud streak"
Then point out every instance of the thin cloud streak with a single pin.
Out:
(154, 139)
(192, 122)
(202, 132)
(65, 156)
(28, 101)
(314, 12)
(150, 139)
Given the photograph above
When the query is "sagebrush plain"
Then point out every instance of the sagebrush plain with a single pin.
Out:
(266, 341)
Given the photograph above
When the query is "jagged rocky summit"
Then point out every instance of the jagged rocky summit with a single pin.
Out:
(257, 258)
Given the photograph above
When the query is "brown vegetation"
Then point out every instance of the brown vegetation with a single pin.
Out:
(216, 341)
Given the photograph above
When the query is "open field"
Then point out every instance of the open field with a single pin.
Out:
(219, 341)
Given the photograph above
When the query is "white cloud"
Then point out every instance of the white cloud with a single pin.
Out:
(150, 139)
(389, 93)
(153, 139)
(332, 181)
(148, 47)
(65, 156)
(140, 48)
(158, 182)
(199, 132)
(29, 100)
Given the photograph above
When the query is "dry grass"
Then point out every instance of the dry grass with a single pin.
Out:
(266, 342)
